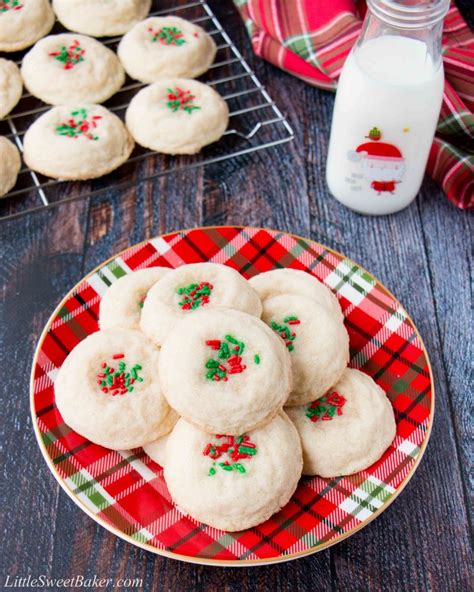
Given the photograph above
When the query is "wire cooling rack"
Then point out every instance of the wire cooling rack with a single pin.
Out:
(255, 123)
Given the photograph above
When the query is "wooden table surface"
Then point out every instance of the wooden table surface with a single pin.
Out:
(421, 254)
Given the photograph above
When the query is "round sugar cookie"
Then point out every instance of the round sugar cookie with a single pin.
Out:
(190, 288)
(122, 303)
(348, 429)
(293, 281)
(11, 86)
(69, 68)
(108, 390)
(10, 164)
(156, 450)
(177, 116)
(225, 371)
(166, 46)
(23, 22)
(81, 141)
(100, 18)
(316, 339)
(233, 482)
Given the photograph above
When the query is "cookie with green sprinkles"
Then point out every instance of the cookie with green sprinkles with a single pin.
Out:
(108, 390)
(317, 341)
(194, 287)
(177, 116)
(77, 142)
(69, 68)
(166, 46)
(233, 482)
(122, 303)
(23, 22)
(346, 430)
(225, 371)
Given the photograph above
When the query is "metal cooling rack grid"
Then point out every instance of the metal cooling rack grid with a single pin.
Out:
(255, 123)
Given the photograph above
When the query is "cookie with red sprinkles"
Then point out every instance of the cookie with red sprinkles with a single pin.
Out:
(23, 22)
(166, 46)
(224, 370)
(233, 482)
(108, 390)
(77, 141)
(193, 287)
(346, 430)
(177, 116)
(11, 86)
(317, 341)
(122, 303)
(68, 67)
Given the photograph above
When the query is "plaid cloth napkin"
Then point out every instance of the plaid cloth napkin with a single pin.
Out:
(311, 39)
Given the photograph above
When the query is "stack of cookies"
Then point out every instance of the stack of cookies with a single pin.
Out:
(234, 387)
(77, 138)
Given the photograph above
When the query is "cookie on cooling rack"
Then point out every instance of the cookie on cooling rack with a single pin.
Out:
(101, 18)
(108, 390)
(166, 46)
(316, 339)
(11, 86)
(70, 68)
(23, 22)
(191, 287)
(177, 116)
(233, 482)
(10, 164)
(348, 429)
(225, 371)
(77, 142)
(293, 281)
(122, 303)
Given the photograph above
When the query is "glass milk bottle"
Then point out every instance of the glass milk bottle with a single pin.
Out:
(387, 106)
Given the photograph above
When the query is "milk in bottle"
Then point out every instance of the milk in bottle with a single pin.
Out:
(387, 106)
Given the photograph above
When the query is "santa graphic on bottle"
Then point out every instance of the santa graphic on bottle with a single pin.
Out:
(382, 164)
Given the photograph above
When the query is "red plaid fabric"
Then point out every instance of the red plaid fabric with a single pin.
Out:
(125, 490)
(311, 39)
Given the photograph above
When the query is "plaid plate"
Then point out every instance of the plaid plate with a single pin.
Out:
(125, 491)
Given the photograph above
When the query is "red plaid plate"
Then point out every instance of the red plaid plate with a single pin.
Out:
(125, 491)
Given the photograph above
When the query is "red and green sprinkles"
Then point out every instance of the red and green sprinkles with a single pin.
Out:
(118, 380)
(326, 408)
(229, 358)
(167, 36)
(181, 100)
(6, 5)
(235, 448)
(69, 56)
(285, 330)
(79, 124)
(195, 295)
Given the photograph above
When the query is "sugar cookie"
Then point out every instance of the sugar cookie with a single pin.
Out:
(11, 86)
(233, 483)
(101, 18)
(156, 450)
(71, 68)
(81, 141)
(293, 281)
(316, 339)
(122, 303)
(23, 22)
(348, 429)
(10, 164)
(177, 116)
(191, 287)
(108, 390)
(166, 46)
(225, 371)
